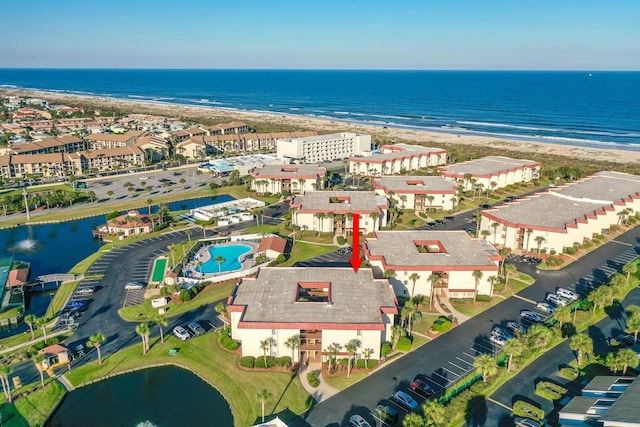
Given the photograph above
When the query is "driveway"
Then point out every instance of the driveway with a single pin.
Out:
(448, 357)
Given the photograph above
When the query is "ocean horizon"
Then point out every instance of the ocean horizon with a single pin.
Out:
(598, 109)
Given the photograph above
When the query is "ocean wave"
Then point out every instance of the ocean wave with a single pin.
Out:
(547, 129)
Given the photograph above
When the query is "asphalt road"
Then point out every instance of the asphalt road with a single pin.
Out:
(451, 355)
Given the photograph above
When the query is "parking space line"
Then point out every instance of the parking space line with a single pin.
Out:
(447, 381)
(459, 367)
(622, 243)
(468, 355)
(451, 372)
(524, 299)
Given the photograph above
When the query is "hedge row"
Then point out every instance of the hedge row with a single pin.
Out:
(272, 361)
(527, 410)
(227, 342)
(549, 390)
(404, 344)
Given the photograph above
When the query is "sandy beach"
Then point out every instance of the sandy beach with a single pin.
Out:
(289, 121)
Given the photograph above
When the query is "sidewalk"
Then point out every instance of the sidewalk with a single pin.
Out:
(453, 312)
(32, 342)
(320, 393)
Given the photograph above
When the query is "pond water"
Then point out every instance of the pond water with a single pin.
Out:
(55, 248)
(162, 397)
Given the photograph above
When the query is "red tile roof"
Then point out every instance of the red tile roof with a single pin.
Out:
(273, 243)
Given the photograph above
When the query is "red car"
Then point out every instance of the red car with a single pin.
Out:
(421, 387)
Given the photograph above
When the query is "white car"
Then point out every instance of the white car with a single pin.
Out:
(181, 333)
(358, 421)
(557, 300)
(546, 307)
(144, 178)
(134, 286)
(516, 328)
(500, 332)
(404, 400)
(498, 340)
(566, 293)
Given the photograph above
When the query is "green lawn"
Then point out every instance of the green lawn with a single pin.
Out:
(203, 356)
(341, 382)
(60, 298)
(11, 313)
(302, 251)
(36, 407)
(144, 312)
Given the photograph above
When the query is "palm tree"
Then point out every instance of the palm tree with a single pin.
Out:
(612, 361)
(563, 315)
(487, 365)
(37, 360)
(434, 278)
(485, 234)
(143, 330)
(414, 278)
(42, 324)
(264, 346)
(493, 280)
(30, 320)
(618, 285)
(263, 395)
(413, 420)
(539, 240)
(374, 217)
(219, 259)
(599, 296)
(627, 359)
(352, 348)
(91, 195)
(629, 269)
(332, 349)
(539, 336)
(504, 254)
(513, 347)
(509, 270)
(162, 322)
(477, 276)
(110, 193)
(397, 332)
(293, 342)
(495, 226)
(389, 274)
(189, 232)
(633, 324)
(5, 371)
(221, 309)
(96, 341)
(320, 216)
(529, 232)
(367, 352)
(583, 345)
(434, 412)
(149, 203)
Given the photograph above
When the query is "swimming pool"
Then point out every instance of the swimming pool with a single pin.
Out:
(231, 255)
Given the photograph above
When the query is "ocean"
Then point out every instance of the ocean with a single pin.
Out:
(598, 109)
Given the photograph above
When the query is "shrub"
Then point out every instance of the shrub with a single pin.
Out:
(312, 378)
(185, 295)
(569, 372)
(527, 410)
(248, 362)
(227, 342)
(483, 298)
(341, 240)
(549, 390)
(441, 324)
(260, 362)
(283, 361)
(385, 349)
(404, 344)
(372, 363)
(399, 220)
(417, 317)
(571, 250)
(281, 258)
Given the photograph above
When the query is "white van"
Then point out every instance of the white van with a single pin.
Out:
(565, 293)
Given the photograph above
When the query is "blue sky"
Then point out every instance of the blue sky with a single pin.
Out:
(351, 34)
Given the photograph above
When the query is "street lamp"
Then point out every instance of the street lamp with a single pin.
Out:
(26, 204)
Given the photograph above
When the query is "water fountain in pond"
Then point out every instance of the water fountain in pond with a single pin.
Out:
(29, 244)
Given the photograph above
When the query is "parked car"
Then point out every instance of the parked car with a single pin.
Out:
(530, 316)
(557, 300)
(421, 387)
(498, 340)
(387, 414)
(501, 332)
(525, 422)
(358, 421)
(516, 328)
(626, 339)
(546, 307)
(134, 286)
(195, 328)
(404, 400)
(181, 333)
(566, 293)
(77, 304)
(85, 291)
(485, 206)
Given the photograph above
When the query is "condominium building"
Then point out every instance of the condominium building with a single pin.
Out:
(47, 165)
(114, 158)
(419, 193)
(566, 215)
(490, 173)
(605, 401)
(101, 141)
(397, 159)
(447, 264)
(332, 211)
(192, 148)
(314, 149)
(62, 144)
(278, 179)
(320, 306)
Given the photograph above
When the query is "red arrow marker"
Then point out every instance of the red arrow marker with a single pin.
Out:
(355, 253)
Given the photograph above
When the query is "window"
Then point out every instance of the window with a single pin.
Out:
(273, 332)
(359, 333)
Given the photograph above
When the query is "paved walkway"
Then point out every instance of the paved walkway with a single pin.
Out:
(452, 311)
(32, 342)
(65, 382)
(323, 391)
